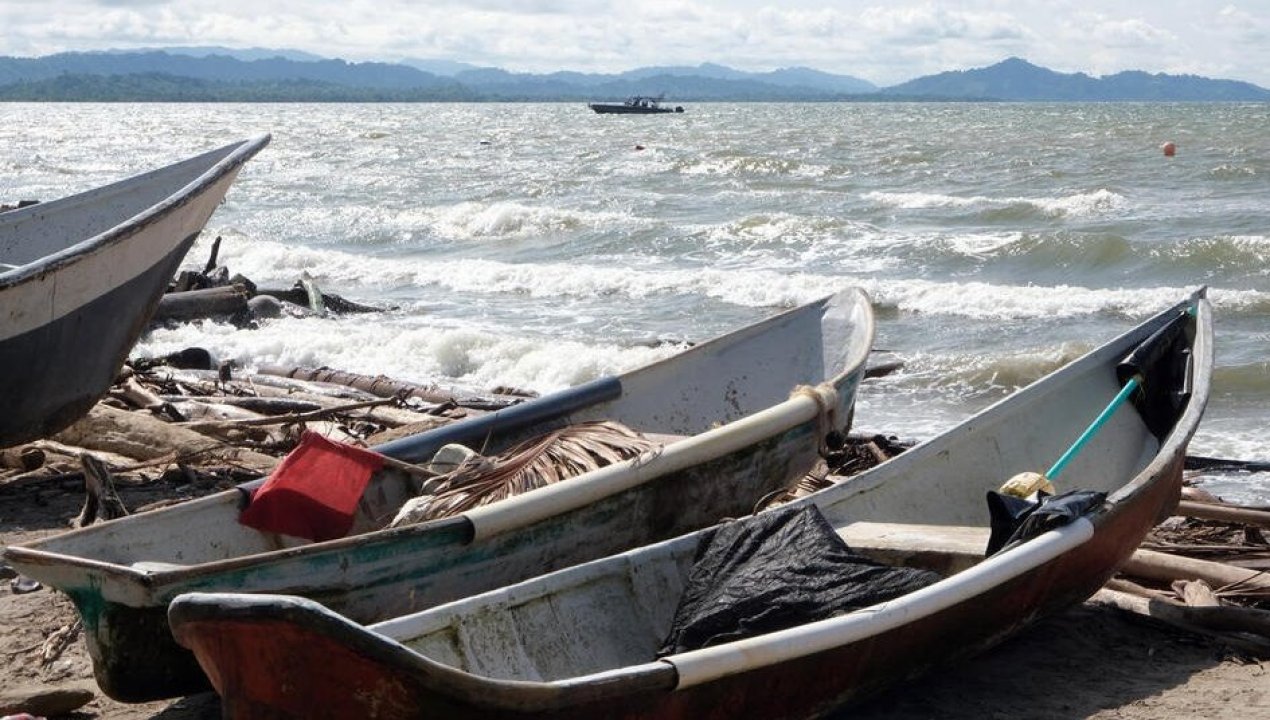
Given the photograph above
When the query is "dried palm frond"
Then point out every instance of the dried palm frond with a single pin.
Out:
(818, 478)
(535, 463)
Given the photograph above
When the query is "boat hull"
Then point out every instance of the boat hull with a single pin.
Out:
(136, 658)
(70, 321)
(615, 109)
(817, 684)
(258, 658)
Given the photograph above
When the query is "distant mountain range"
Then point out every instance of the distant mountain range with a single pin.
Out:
(1019, 80)
(259, 74)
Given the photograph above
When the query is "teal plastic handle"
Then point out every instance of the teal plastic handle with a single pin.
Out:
(1094, 427)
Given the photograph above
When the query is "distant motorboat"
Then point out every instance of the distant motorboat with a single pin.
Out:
(635, 105)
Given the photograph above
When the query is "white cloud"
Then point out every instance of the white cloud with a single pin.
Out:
(886, 42)
(929, 23)
(1242, 24)
(1130, 33)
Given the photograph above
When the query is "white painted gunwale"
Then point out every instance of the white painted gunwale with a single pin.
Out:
(531, 507)
(42, 291)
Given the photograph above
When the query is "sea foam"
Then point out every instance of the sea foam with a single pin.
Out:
(274, 263)
(1095, 203)
(411, 349)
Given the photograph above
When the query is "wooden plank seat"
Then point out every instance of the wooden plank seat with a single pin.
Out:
(945, 549)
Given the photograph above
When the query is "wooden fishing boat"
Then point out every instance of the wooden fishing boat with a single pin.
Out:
(735, 418)
(584, 642)
(80, 277)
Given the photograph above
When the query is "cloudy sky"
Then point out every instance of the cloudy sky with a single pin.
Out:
(883, 41)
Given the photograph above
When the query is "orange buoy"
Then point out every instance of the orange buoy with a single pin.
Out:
(1169, 149)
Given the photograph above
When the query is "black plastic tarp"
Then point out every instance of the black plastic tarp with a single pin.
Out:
(776, 570)
(1162, 363)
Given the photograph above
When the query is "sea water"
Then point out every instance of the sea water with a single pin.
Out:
(541, 245)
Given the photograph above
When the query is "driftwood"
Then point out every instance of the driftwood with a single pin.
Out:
(1196, 593)
(882, 369)
(1208, 621)
(290, 418)
(144, 437)
(207, 383)
(275, 401)
(210, 409)
(1199, 462)
(24, 458)
(100, 501)
(215, 277)
(262, 405)
(1199, 605)
(138, 396)
(59, 451)
(211, 256)
(1224, 513)
(6, 207)
(388, 387)
(229, 301)
(1153, 565)
(313, 293)
(298, 295)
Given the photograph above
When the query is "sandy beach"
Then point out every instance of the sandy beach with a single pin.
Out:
(1085, 663)
(1088, 662)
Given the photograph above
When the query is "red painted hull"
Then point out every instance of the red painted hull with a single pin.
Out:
(269, 667)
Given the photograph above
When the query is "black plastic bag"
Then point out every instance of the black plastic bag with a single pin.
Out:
(1015, 520)
(777, 570)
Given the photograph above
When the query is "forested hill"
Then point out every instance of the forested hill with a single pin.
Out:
(1018, 80)
(222, 74)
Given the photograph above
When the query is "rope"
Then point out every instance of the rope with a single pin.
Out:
(826, 399)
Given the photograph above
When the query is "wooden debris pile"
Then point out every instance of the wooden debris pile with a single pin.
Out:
(214, 294)
(165, 426)
(1206, 570)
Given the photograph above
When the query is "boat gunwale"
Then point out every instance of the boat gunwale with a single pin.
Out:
(234, 156)
(190, 608)
(1098, 356)
(1173, 446)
